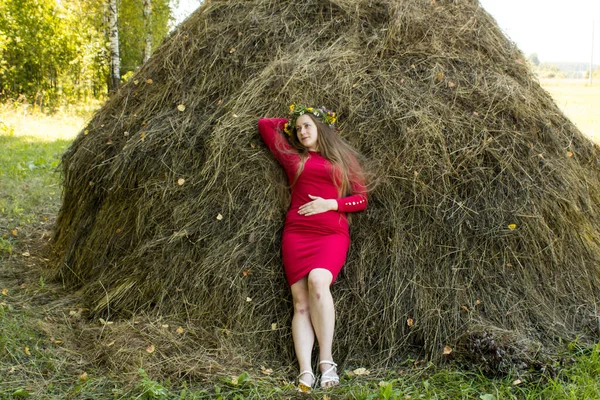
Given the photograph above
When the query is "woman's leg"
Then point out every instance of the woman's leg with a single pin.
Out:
(322, 312)
(302, 329)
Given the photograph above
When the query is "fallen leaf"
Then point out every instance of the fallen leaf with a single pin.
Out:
(149, 81)
(464, 308)
(136, 82)
(219, 217)
(246, 272)
(26, 254)
(248, 299)
(83, 377)
(478, 302)
(14, 232)
(517, 382)
(27, 351)
(235, 116)
(361, 371)
(164, 326)
(86, 132)
(142, 135)
(150, 349)
(266, 371)
(125, 133)
(144, 123)
(273, 326)
(118, 230)
(569, 154)
(447, 350)
(475, 113)
(181, 107)
(451, 84)
(179, 330)
(219, 102)
(410, 322)
(234, 380)
(232, 50)
(4, 292)
(512, 226)
(440, 76)
(180, 181)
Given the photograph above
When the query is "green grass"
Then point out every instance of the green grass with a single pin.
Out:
(39, 352)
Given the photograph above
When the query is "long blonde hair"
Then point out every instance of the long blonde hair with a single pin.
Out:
(344, 159)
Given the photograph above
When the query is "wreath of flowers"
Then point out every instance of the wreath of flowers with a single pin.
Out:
(325, 115)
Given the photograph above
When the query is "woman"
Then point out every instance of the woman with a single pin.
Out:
(326, 182)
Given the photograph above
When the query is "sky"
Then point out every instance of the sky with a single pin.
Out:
(556, 30)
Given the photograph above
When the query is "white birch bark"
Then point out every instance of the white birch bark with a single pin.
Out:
(115, 61)
(148, 26)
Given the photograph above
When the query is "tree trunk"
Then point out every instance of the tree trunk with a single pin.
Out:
(115, 62)
(148, 26)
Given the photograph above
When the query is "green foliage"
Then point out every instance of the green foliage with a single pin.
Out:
(54, 53)
(132, 33)
(150, 389)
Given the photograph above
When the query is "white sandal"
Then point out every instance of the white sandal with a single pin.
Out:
(328, 380)
(303, 386)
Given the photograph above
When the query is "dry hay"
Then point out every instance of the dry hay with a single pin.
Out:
(483, 226)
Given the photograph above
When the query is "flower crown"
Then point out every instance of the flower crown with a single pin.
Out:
(325, 115)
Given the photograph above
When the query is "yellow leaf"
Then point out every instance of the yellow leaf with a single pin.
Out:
(447, 350)
(4, 292)
(150, 349)
(149, 81)
(26, 254)
(440, 76)
(14, 232)
(136, 82)
(512, 226)
(410, 322)
(248, 299)
(464, 308)
(83, 377)
(86, 132)
(234, 380)
(569, 154)
(517, 382)
(125, 133)
(27, 351)
(361, 371)
(164, 326)
(179, 330)
(219, 217)
(180, 181)
(266, 371)
(273, 326)
(181, 107)
(143, 135)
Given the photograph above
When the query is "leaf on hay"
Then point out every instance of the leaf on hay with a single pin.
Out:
(149, 81)
(410, 322)
(180, 181)
(361, 371)
(181, 107)
(26, 254)
(517, 382)
(248, 299)
(27, 351)
(512, 226)
(447, 350)
(246, 272)
(273, 326)
(265, 371)
(150, 349)
(83, 377)
(4, 292)
(440, 76)
(569, 154)
(179, 330)
(219, 217)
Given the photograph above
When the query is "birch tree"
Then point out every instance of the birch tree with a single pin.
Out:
(148, 28)
(113, 33)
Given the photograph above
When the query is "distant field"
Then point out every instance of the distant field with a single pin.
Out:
(579, 101)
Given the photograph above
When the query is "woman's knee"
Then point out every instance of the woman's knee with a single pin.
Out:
(319, 279)
(300, 300)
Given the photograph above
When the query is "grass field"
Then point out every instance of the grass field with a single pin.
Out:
(44, 335)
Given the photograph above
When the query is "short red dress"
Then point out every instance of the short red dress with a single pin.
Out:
(316, 241)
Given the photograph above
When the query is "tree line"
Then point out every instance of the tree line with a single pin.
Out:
(61, 51)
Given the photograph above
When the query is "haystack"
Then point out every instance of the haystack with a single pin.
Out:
(483, 228)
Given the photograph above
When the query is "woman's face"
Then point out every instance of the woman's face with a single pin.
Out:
(306, 130)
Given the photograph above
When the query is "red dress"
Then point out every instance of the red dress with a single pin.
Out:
(320, 240)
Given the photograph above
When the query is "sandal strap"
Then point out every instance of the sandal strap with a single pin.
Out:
(325, 377)
(303, 382)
